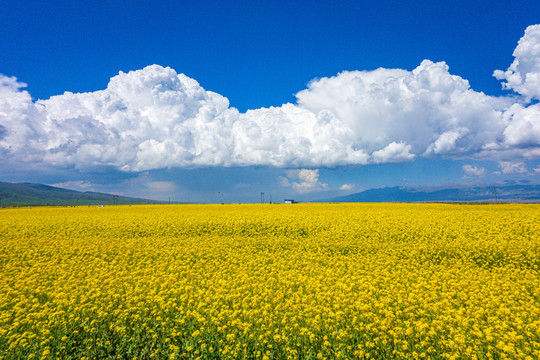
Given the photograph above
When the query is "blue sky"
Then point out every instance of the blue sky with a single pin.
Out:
(439, 123)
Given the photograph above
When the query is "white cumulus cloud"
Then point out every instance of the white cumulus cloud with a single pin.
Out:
(393, 152)
(303, 180)
(346, 187)
(523, 75)
(21, 122)
(428, 109)
(523, 129)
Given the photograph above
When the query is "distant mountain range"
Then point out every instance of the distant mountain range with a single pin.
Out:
(506, 192)
(38, 194)
(28, 194)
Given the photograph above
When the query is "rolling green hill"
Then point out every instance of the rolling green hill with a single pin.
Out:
(27, 194)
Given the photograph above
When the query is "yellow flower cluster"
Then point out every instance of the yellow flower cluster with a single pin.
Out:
(304, 281)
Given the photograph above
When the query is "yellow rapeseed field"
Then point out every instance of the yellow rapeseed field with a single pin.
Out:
(304, 281)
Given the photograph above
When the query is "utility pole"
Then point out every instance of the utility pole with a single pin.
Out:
(262, 198)
(495, 191)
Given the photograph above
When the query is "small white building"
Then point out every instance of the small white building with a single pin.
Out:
(289, 201)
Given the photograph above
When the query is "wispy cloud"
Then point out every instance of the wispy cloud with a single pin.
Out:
(79, 185)
(472, 170)
(161, 186)
(509, 167)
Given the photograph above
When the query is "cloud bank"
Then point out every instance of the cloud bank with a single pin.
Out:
(156, 118)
